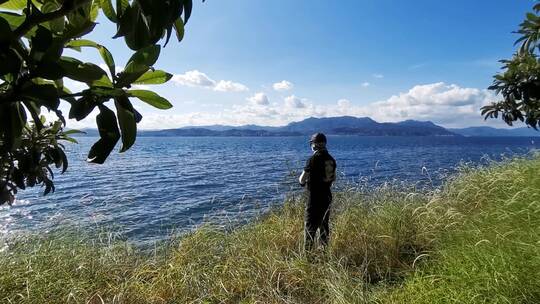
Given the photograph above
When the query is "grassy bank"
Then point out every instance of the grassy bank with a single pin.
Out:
(476, 240)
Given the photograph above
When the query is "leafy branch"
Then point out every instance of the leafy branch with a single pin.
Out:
(33, 19)
(519, 82)
(33, 37)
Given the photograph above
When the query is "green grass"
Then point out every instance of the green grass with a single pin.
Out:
(476, 240)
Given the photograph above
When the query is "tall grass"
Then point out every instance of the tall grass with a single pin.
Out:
(476, 240)
(490, 253)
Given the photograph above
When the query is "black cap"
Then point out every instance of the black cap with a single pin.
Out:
(318, 138)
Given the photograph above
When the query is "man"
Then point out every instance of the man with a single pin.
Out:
(319, 174)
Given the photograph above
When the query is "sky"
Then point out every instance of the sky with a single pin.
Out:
(274, 62)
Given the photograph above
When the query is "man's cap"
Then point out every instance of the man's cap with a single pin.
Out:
(318, 138)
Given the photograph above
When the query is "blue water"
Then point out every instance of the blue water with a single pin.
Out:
(167, 185)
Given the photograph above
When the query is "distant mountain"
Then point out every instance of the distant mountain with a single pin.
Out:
(206, 132)
(226, 128)
(330, 124)
(344, 125)
(348, 125)
(489, 131)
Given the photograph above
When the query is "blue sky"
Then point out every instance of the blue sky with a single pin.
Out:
(391, 60)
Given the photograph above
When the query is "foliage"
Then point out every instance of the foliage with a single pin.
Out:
(30, 164)
(519, 83)
(475, 240)
(33, 37)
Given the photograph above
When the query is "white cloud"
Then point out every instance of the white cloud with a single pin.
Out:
(141, 87)
(378, 76)
(449, 105)
(259, 99)
(283, 85)
(229, 86)
(366, 84)
(196, 78)
(445, 104)
(344, 103)
(294, 102)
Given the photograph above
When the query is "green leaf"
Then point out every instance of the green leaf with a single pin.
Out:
(108, 58)
(108, 10)
(72, 131)
(135, 28)
(179, 29)
(94, 11)
(104, 81)
(188, 6)
(103, 51)
(125, 22)
(34, 111)
(81, 108)
(19, 119)
(83, 72)
(121, 6)
(12, 122)
(14, 20)
(78, 30)
(5, 32)
(11, 63)
(14, 5)
(45, 94)
(131, 73)
(64, 160)
(146, 56)
(54, 51)
(138, 64)
(57, 25)
(109, 135)
(151, 98)
(153, 77)
(126, 120)
(42, 40)
(106, 92)
(80, 43)
(49, 70)
(82, 14)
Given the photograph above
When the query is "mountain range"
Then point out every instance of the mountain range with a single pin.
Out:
(344, 125)
(490, 132)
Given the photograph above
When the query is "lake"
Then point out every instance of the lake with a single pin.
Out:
(172, 184)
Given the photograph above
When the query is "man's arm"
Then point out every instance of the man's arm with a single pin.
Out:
(303, 178)
(305, 173)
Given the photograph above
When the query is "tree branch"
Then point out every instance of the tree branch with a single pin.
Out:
(71, 95)
(33, 20)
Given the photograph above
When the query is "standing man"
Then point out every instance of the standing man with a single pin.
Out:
(319, 174)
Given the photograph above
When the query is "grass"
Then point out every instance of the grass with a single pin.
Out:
(475, 240)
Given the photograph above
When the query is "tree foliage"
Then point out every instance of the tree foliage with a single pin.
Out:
(30, 164)
(33, 37)
(519, 81)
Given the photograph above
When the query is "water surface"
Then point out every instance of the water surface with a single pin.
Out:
(163, 184)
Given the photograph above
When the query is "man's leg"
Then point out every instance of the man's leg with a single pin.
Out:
(325, 221)
(325, 227)
(311, 222)
(310, 228)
